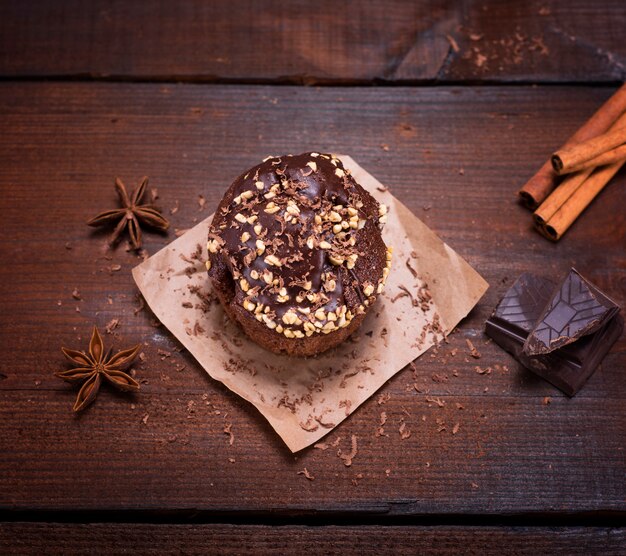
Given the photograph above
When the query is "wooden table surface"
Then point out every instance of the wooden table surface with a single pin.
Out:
(453, 105)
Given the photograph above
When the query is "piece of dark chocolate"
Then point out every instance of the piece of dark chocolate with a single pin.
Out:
(576, 309)
(568, 367)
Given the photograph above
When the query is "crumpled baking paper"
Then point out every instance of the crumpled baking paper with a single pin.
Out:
(429, 290)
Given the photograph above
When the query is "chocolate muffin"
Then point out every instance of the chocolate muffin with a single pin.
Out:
(296, 255)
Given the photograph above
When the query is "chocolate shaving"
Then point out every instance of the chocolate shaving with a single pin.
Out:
(308, 426)
(229, 432)
(411, 269)
(306, 474)
(347, 458)
(383, 419)
(438, 401)
(325, 425)
(111, 326)
(472, 350)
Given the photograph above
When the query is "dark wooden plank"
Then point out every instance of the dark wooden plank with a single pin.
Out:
(98, 538)
(316, 42)
(61, 146)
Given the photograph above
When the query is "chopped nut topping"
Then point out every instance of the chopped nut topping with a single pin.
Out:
(334, 216)
(260, 249)
(290, 318)
(271, 208)
(245, 237)
(240, 218)
(213, 246)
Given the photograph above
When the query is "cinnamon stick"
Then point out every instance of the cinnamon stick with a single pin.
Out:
(560, 195)
(543, 182)
(614, 155)
(568, 186)
(570, 210)
(565, 159)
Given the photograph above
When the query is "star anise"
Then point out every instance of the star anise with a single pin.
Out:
(131, 214)
(92, 367)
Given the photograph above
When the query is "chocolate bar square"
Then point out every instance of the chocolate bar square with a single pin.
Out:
(534, 308)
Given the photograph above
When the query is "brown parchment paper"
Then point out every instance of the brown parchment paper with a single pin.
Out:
(304, 399)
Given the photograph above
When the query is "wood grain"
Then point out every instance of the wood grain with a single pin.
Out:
(316, 42)
(98, 538)
(455, 156)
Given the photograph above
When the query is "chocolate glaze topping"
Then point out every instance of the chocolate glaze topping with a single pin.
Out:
(296, 241)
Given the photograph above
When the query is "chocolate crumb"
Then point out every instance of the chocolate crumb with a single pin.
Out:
(76, 294)
(383, 399)
(201, 202)
(357, 478)
(547, 400)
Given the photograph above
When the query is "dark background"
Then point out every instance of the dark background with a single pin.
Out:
(453, 105)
